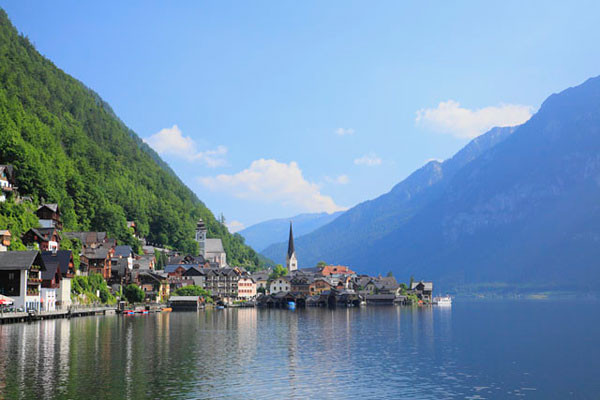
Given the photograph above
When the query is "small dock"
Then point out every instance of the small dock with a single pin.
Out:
(11, 317)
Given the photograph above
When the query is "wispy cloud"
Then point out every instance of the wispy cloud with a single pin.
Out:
(370, 160)
(338, 180)
(344, 131)
(450, 118)
(270, 181)
(235, 226)
(171, 141)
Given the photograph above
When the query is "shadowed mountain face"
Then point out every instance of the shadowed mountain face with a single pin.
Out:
(524, 212)
(343, 239)
(266, 233)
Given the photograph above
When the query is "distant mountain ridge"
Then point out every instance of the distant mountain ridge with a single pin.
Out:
(373, 219)
(524, 213)
(266, 233)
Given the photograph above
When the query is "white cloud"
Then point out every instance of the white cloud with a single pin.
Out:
(449, 117)
(370, 160)
(339, 180)
(235, 226)
(271, 181)
(344, 131)
(172, 142)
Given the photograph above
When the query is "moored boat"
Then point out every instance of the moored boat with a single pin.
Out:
(443, 300)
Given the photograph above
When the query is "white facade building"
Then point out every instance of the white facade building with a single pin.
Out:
(281, 284)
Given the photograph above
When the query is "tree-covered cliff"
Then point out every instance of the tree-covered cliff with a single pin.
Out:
(68, 147)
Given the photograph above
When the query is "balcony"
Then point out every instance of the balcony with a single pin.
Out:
(35, 268)
(33, 281)
(33, 293)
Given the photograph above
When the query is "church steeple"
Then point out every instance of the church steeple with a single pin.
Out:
(290, 260)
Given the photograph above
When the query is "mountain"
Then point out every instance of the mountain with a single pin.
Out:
(68, 147)
(263, 234)
(525, 213)
(341, 240)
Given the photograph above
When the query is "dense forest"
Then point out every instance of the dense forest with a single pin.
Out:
(68, 147)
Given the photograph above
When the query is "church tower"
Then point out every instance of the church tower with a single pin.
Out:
(201, 237)
(291, 262)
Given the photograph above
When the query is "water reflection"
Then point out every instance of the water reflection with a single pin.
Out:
(373, 352)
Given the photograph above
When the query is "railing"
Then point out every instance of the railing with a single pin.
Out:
(35, 268)
(34, 281)
(33, 292)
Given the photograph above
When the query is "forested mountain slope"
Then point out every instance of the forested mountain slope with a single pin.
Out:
(68, 147)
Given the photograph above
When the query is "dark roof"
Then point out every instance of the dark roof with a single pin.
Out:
(426, 285)
(123, 251)
(62, 257)
(44, 233)
(290, 242)
(87, 238)
(50, 272)
(99, 253)
(10, 260)
(172, 267)
(51, 206)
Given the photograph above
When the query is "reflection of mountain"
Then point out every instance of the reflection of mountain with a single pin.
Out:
(522, 212)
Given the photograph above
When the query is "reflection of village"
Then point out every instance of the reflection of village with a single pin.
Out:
(39, 279)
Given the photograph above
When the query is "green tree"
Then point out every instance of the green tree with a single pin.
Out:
(133, 293)
(192, 290)
(277, 272)
(321, 264)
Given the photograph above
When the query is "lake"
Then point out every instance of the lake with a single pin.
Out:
(474, 350)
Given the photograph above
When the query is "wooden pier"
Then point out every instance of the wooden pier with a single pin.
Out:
(10, 317)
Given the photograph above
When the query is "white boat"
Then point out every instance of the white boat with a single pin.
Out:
(443, 301)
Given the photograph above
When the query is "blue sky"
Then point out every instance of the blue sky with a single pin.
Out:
(270, 109)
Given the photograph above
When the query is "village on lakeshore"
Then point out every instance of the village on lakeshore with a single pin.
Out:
(47, 279)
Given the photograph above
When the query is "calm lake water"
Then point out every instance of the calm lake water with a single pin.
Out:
(510, 349)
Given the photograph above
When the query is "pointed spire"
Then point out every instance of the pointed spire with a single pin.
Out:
(291, 242)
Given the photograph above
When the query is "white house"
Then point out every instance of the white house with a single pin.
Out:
(48, 299)
(281, 284)
(20, 278)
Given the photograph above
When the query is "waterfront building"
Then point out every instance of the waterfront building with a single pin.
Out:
(301, 284)
(20, 277)
(320, 285)
(261, 278)
(48, 299)
(281, 284)
(422, 289)
(63, 259)
(155, 286)
(246, 288)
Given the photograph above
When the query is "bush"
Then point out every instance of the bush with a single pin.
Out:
(134, 294)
